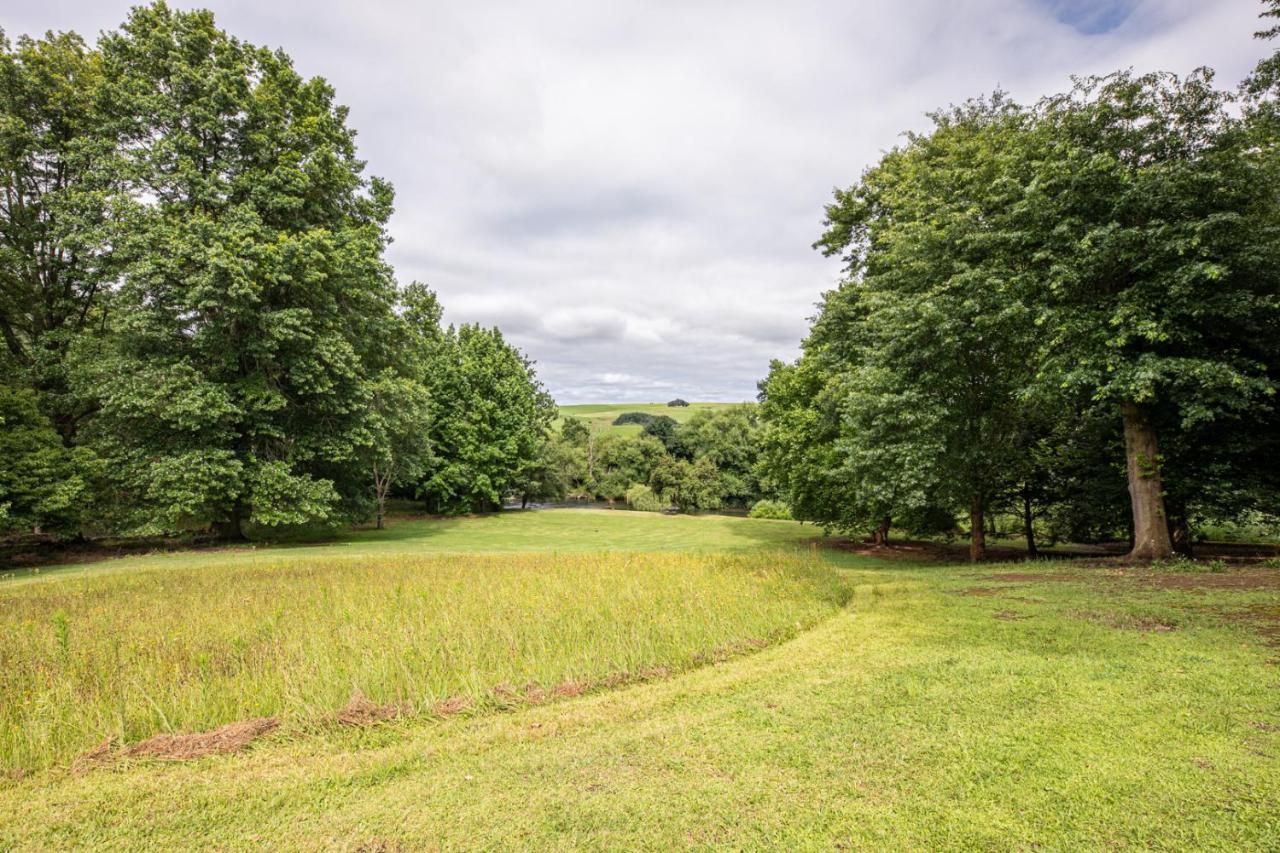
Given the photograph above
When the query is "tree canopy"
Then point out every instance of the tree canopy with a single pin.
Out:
(1104, 257)
(194, 300)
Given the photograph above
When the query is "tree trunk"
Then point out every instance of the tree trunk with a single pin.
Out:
(1179, 528)
(1028, 523)
(882, 532)
(977, 536)
(1142, 460)
(381, 488)
(231, 529)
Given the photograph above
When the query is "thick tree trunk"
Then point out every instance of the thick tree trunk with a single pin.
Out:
(977, 536)
(1028, 523)
(380, 515)
(1142, 458)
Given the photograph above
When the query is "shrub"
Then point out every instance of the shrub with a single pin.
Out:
(770, 509)
(678, 402)
(642, 418)
(687, 486)
(642, 498)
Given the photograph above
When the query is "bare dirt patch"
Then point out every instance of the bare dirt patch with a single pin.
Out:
(1262, 618)
(1032, 577)
(1010, 615)
(569, 688)
(452, 705)
(98, 754)
(1255, 579)
(980, 591)
(1124, 621)
(232, 737)
(360, 711)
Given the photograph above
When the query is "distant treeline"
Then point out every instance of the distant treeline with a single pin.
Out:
(710, 460)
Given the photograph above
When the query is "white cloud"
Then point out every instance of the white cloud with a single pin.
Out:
(630, 189)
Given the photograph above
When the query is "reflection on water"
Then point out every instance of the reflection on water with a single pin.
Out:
(740, 511)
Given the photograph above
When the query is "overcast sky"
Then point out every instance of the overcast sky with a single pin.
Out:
(630, 188)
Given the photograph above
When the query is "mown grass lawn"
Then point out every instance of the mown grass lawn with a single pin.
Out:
(1058, 707)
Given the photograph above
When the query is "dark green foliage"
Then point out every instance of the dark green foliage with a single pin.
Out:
(620, 462)
(730, 439)
(641, 418)
(399, 449)
(666, 430)
(254, 294)
(575, 431)
(1016, 279)
(550, 476)
(678, 402)
(44, 486)
(56, 152)
(193, 298)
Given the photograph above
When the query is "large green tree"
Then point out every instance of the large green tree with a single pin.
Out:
(1151, 219)
(56, 261)
(919, 357)
(490, 417)
(1017, 278)
(254, 297)
(621, 462)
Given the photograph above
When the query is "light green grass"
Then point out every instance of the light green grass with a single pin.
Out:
(511, 532)
(129, 655)
(943, 708)
(600, 416)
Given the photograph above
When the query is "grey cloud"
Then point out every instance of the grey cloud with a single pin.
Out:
(630, 189)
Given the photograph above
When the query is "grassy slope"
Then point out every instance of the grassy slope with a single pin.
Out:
(600, 416)
(576, 531)
(1039, 712)
(142, 647)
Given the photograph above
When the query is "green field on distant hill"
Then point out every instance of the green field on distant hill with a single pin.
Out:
(600, 416)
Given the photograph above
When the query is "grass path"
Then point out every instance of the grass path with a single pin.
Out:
(942, 708)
